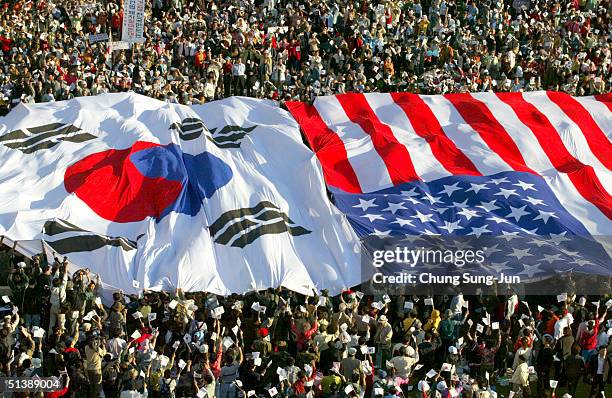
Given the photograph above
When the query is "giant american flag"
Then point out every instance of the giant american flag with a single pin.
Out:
(486, 164)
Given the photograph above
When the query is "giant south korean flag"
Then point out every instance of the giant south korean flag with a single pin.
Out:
(530, 165)
(222, 197)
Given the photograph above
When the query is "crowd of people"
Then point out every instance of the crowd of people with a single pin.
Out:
(276, 343)
(201, 50)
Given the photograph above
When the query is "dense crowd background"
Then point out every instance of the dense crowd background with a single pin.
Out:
(201, 50)
(276, 343)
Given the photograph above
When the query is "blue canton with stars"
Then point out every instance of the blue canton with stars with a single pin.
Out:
(542, 238)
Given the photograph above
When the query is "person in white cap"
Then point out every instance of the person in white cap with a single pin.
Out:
(350, 363)
(441, 386)
(423, 386)
(382, 338)
(404, 362)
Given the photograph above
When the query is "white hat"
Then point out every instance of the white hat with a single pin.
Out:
(566, 395)
(21, 264)
(22, 358)
(423, 386)
(452, 350)
(383, 318)
(441, 386)
(352, 351)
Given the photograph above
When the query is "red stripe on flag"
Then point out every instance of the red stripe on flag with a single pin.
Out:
(582, 176)
(596, 138)
(328, 147)
(606, 99)
(478, 115)
(393, 153)
(426, 125)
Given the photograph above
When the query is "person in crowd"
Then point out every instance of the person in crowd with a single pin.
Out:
(520, 377)
(599, 368)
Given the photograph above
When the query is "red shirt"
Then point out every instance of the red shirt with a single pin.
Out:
(5, 44)
(588, 341)
(517, 345)
(215, 368)
(200, 57)
(59, 393)
(294, 51)
(70, 79)
(117, 20)
(303, 337)
(550, 325)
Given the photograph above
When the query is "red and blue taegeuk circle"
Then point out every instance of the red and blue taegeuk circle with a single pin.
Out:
(146, 180)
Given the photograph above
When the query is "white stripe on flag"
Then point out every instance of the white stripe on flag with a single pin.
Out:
(388, 112)
(526, 142)
(599, 111)
(590, 216)
(571, 135)
(368, 165)
(467, 139)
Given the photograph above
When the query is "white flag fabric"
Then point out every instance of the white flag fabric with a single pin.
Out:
(222, 197)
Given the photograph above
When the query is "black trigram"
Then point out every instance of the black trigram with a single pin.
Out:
(32, 139)
(229, 136)
(243, 226)
(65, 238)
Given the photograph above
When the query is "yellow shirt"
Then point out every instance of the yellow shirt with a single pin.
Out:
(327, 381)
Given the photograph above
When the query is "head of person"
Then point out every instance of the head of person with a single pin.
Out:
(525, 342)
(603, 351)
(590, 326)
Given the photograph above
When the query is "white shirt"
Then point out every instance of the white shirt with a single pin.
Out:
(238, 70)
(600, 364)
(132, 394)
(567, 320)
(457, 304)
(602, 338)
(116, 346)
